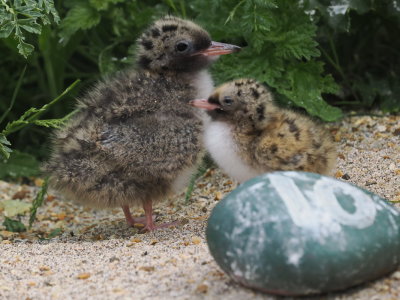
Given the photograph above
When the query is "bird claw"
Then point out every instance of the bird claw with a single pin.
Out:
(153, 227)
(140, 220)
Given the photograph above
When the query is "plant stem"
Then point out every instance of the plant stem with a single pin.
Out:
(203, 167)
(336, 64)
(355, 103)
(48, 65)
(36, 115)
(14, 96)
(46, 106)
(183, 8)
(40, 76)
(233, 11)
(9, 9)
(171, 4)
(38, 201)
(333, 63)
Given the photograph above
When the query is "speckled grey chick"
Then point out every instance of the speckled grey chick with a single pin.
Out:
(249, 135)
(134, 140)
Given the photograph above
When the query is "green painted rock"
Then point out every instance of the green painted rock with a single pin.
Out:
(296, 233)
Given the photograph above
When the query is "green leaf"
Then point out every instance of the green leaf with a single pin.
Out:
(233, 11)
(3, 140)
(14, 96)
(257, 40)
(103, 4)
(6, 29)
(30, 10)
(30, 25)
(13, 208)
(301, 78)
(361, 6)
(105, 61)
(205, 164)
(49, 8)
(28, 15)
(19, 164)
(13, 225)
(32, 114)
(81, 16)
(54, 233)
(38, 201)
(51, 123)
(4, 150)
(281, 50)
(21, 121)
(24, 49)
(295, 44)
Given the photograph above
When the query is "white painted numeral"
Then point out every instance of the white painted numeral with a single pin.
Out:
(307, 208)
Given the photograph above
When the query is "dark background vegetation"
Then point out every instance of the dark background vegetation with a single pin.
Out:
(325, 57)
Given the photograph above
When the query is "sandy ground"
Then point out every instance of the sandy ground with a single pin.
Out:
(97, 256)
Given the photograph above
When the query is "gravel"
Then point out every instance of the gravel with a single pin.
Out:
(96, 256)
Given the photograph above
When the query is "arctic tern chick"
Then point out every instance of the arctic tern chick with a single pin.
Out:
(135, 140)
(249, 135)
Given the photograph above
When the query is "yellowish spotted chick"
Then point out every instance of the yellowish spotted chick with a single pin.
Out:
(249, 135)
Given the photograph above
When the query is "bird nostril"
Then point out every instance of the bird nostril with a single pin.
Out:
(213, 100)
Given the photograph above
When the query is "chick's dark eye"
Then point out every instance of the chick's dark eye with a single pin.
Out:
(228, 100)
(182, 46)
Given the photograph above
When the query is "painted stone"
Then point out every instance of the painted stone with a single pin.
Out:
(297, 233)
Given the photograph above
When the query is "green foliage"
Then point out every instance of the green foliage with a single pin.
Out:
(25, 164)
(206, 163)
(18, 17)
(38, 201)
(14, 207)
(4, 143)
(13, 225)
(55, 232)
(18, 208)
(359, 41)
(20, 164)
(80, 17)
(281, 50)
(4, 149)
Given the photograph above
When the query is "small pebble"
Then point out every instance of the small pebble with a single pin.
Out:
(346, 176)
(202, 288)
(147, 268)
(196, 240)
(83, 276)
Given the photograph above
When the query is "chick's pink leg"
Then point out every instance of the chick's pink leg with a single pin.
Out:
(148, 212)
(131, 220)
(128, 217)
(150, 226)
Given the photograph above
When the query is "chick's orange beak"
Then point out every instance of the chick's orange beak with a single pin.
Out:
(203, 103)
(219, 49)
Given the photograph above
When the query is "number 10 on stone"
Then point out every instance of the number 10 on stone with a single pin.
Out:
(296, 233)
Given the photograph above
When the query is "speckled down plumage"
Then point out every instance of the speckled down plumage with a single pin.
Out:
(134, 139)
(250, 135)
(128, 142)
